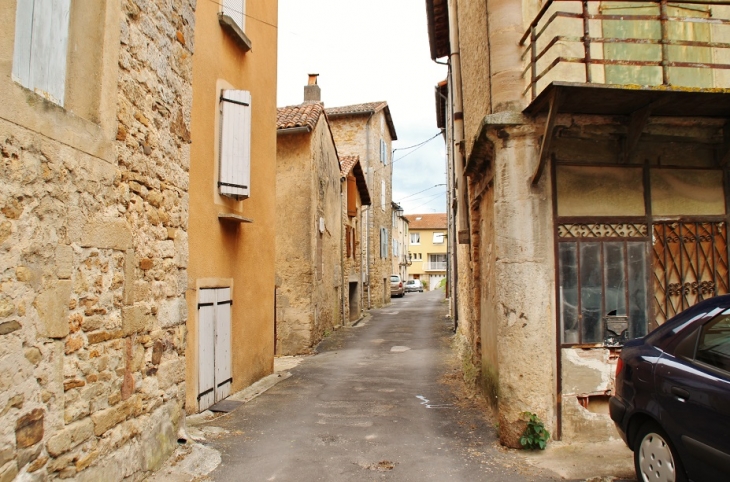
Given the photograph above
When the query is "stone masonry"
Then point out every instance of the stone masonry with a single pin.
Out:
(93, 256)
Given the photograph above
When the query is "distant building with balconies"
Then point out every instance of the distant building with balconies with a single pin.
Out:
(427, 248)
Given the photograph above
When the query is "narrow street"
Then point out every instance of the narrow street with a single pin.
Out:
(373, 404)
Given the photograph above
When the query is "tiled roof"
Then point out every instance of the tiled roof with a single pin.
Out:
(302, 115)
(365, 109)
(427, 221)
(352, 163)
(346, 163)
(357, 108)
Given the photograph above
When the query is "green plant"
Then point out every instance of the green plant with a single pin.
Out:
(535, 436)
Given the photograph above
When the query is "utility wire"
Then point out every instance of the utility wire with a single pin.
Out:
(414, 147)
(419, 192)
(244, 14)
(433, 198)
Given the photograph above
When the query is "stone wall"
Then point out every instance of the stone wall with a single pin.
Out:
(93, 253)
(308, 261)
(360, 135)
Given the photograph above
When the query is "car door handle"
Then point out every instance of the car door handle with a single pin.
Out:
(680, 393)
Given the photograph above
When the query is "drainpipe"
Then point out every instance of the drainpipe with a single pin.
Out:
(458, 116)
(342, 254)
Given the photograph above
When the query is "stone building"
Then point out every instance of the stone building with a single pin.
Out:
(591, 190)
(428, 248)
(94, 142)
(355, 198)
(309, 247)
(230, 295)
(399, 250)
(367, 131)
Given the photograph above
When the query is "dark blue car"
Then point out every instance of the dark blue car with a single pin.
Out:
(672, 401)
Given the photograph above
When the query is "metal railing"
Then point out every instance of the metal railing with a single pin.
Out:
(538, 48)
(436, 266)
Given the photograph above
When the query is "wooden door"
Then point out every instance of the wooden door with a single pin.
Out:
(214, 346)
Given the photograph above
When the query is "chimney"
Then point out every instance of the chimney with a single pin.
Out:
(311, 90)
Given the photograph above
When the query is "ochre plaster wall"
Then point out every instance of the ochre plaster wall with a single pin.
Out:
(238, 255)
(308, 261)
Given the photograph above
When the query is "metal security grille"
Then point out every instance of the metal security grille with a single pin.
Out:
(690, 264)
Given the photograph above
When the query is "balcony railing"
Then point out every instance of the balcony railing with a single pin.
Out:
(628, 42)
(436, 266)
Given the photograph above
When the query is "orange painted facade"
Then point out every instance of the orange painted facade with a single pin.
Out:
(232, 240)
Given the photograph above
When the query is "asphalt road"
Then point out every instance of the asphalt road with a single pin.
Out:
(378, 402)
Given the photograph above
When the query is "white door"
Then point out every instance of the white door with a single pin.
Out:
(434, 281)
(214, 346)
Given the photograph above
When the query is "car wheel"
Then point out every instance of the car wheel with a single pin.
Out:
(654, 456)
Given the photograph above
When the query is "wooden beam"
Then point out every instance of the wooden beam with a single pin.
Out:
(637, 122)
(547, 138)
(724, 151)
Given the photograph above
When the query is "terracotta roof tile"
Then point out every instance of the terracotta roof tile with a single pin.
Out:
(357, 108)
(427, 221)
(302, 115)
(364, 109)
(346, 163)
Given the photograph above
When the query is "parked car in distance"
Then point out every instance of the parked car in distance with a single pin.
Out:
(396, 286)
(413, 285)
(672, 400)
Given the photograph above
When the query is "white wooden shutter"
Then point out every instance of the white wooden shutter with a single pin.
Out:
(235, 144)
(223, 376)
(206, 348)
(41, 45)
(236, 10)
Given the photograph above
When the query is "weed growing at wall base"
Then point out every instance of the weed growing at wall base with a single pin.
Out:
(535, 436)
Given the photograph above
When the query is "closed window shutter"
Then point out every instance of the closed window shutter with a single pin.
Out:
(386, 242)
(351, 196)
(235, 144)
(236, 10)
(41, 44)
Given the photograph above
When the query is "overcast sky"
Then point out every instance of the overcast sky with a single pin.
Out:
(366, 52)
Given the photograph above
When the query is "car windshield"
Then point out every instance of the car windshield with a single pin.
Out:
(410, 282)
(394, 278)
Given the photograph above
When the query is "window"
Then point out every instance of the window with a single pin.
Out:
(415, 238)
(600, 279)
(383, 152)
(236, 9)
(233, 20)
(438, 238)
(384, 242)
(382, 195)
(714, 343)
(395, 247)
(351, 196)
(437, 262)
(41, 44)
(235, 144)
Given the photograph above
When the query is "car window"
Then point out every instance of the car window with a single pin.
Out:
(713, 346)
(394, 278)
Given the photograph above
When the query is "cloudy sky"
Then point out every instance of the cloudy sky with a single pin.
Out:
(366, 52)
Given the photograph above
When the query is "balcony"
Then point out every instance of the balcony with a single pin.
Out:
(435, 266)
(612, 57)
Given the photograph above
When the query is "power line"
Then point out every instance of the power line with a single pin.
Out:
(244, 14)
(419, 192)
(433, 198)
